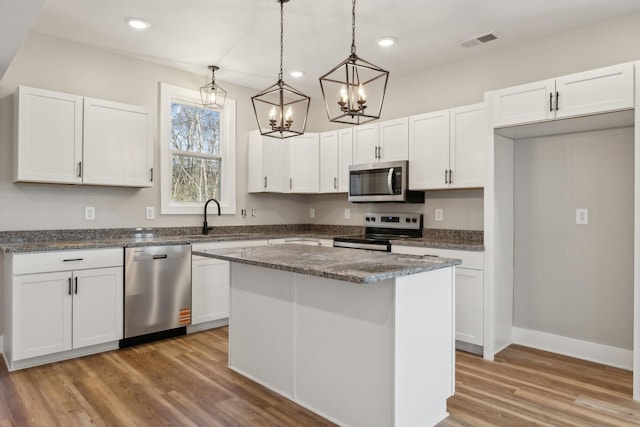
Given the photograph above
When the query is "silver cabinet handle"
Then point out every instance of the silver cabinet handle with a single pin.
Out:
(450, 176)
(69, 286)
(265, 182)
(390, 180)
(550, 101)
(151, 178)
(335, 183)
(290, 183)
(79, 169)
(76, 289)
(557, 100)
(446, 177)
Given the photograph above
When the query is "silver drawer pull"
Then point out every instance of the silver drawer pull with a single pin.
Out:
(73, 259)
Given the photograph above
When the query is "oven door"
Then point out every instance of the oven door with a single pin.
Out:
(377, 182)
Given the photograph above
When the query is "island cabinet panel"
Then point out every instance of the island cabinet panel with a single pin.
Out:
(375, 354)
(344, 349)
(424, 347)
(261, 326)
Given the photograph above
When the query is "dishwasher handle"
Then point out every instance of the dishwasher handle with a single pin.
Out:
(160, 256)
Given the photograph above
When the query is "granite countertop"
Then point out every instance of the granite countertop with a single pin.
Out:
(53, 240)
(350, 265)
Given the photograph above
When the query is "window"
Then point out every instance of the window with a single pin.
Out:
(198, 152)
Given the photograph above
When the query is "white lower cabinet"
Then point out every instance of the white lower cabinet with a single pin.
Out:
(50, 312)
(469, 292)
(210, 280)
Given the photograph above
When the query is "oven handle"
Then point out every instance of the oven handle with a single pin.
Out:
(390, 180)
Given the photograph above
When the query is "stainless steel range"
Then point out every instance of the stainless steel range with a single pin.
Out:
(380, 229)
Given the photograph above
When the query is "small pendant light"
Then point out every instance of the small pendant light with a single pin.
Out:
(353, 91)
(281, 111)
(213, 96)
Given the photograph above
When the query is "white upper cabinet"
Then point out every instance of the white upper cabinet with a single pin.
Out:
(366, 143)
(590, 92)
(62, 138)
(48, 136)
(304, 160)
(267, 165)
(429, 150)
(446, 148)
(394, 140)
(116, 144)
(345, 158)
(329, 162)
(381, 142)
(468, 135)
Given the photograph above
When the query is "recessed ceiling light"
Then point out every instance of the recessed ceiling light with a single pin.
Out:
(387, 41)
(137, 23)
(296, 74)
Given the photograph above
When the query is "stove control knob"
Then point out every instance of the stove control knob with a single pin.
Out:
(407, 220)
(366, 218)
(414, 220)
(373, 219)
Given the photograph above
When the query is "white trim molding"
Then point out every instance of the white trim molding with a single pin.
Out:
(593, 352)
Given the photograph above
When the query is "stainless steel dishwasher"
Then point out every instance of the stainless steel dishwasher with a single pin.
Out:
(157, 292)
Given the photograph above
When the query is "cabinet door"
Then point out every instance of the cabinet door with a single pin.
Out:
(527, 103)
(304, 172)
(429, 150)
(365, 144)
(329, 162)
(210, 290)
(394, 140)
(345, 158)
(41, 314)
(48, 146)
(469, 306)
(97, 306)
(595, 91)
(272, 164)
(468, 135)
(117, 144)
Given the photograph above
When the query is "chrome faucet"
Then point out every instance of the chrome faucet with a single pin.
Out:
(205, 227)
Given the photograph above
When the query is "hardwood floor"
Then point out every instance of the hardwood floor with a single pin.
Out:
(185, 382)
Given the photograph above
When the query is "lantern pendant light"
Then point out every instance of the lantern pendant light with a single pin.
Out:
(213, 96)
(281, 111)
(353, 91)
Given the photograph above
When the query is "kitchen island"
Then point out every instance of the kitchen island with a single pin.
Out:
(360, 337)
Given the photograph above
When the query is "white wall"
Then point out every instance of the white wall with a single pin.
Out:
(575, 280)
(73, 68)
(58, 65)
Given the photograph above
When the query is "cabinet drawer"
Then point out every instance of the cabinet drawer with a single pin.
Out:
(39, 262)
(228, 244)
(470, 259)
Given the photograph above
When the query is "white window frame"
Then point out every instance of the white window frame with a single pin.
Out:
(169, 93)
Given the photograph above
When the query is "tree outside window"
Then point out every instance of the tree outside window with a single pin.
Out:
(196, 157)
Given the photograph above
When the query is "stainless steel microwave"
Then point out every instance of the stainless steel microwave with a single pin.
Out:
(382, 182)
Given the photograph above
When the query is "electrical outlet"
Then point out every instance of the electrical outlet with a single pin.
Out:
(89, 213)
(582, 216)
(312, 212)
(150, 212)
(347, 214)
(243, 213)
(253, 212)
(438, 215)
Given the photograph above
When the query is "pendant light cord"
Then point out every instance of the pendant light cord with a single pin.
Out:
(353, 27)
(281, 37)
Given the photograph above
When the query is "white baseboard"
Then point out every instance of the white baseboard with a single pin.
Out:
(593, 352)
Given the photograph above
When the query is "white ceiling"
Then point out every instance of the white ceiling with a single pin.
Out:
(242, 36)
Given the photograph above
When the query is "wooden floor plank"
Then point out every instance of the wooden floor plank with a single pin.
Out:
(185, 381)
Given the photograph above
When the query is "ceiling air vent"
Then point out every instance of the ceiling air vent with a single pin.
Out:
(485, 38)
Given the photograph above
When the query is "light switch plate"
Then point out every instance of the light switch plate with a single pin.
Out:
(438, 215)
(312, 213)
(89, 213)
(582, 216)
(347, 214)
(150, 212)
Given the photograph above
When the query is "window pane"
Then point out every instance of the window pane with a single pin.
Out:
(195, 129)
(194, 179)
